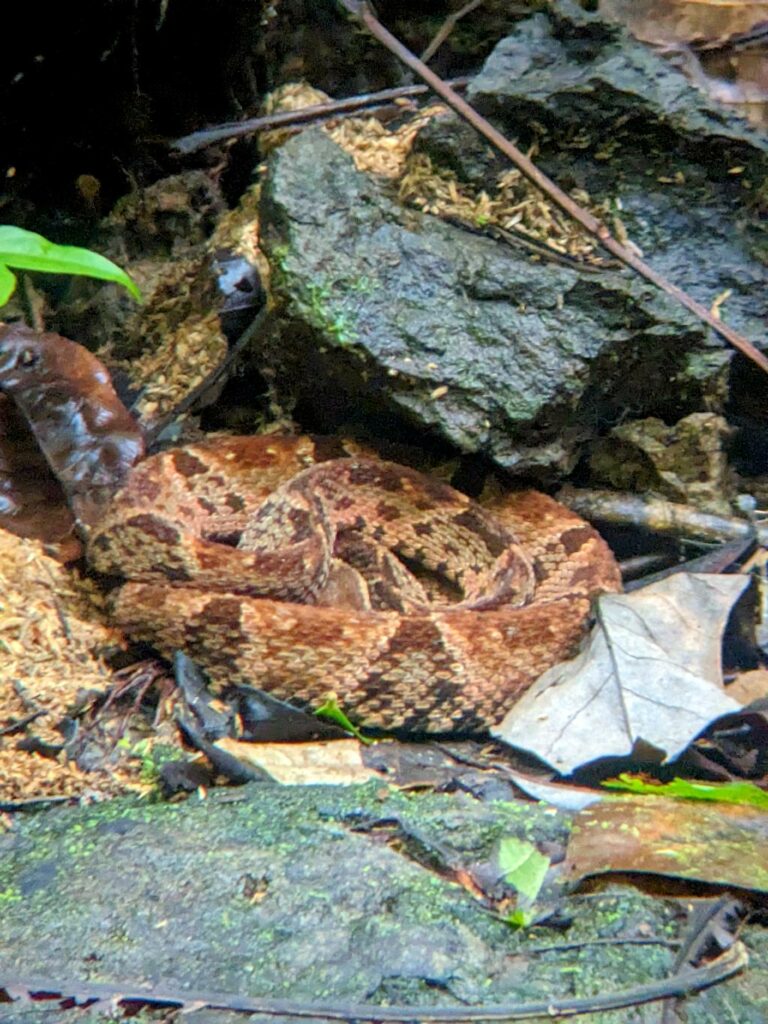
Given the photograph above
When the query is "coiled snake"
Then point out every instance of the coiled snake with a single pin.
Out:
(273, 562)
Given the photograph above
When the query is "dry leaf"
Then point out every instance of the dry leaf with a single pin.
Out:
(649, 678)
(685, 21)
(722, 844)
(301, 764)
(721, 45)
(749, 686)
(65, 395)
(32, 503)
(558, 794)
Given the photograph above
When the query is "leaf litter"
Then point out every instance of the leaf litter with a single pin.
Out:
(649, 680)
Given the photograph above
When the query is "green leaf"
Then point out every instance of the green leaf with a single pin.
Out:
(331, 710)
(27, 250)
(524, 868)
(7, 284)
(682, 789)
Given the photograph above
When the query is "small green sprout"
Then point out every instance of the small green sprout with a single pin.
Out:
(331, 710)
(524, 868)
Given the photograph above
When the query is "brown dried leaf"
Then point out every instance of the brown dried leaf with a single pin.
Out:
(685, 21)
(722, 45)
(86, 435)
(749, 686)
(331, 763)
(722, 844)
(32, 503)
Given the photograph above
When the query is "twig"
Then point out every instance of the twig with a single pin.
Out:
(732, 961)
(33, 803)
(660, 516)
(446, 28)
(236, 129)
(637, 572)
(627, 940)
(707, 922)
(590, 223)
(519, 239)
(22, 723)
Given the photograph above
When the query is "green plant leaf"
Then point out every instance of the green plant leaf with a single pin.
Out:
(331, 710)
(524, 868)
(26, 250)
(683, 789)
(7, 284)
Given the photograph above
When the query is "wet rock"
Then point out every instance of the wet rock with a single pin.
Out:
(394, 316)
(277, 890)
(686, 462)
(611, 116)
(393, 313)
(618, 119)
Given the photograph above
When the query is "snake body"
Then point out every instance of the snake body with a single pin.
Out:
(277, 563)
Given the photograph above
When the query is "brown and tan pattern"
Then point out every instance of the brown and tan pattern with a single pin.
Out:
(275, 562)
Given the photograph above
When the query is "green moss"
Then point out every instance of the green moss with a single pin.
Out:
(362, 285)
(328, 316)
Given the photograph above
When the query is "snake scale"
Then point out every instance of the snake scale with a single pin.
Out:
(288, 565)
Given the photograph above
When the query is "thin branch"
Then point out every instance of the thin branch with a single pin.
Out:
(306, 115)
(732, 961)
(556, 194)
(446, 28)
(707, 923)
(669, 518)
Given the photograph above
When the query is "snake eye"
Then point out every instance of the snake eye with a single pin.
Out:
(29, 358)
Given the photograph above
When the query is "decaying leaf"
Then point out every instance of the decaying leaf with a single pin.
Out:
(721, 45)
(559, 794)
(64, 393)
(721, 844)
(686, 21)
(650, 678)
(32, 503)
(336, 763)
(750, 686)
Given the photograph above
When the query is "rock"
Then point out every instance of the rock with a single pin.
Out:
(397, 317)
(389, 313)
(686, 462)
(292, 892)
(620, 120)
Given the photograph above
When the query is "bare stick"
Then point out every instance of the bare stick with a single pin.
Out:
(236, 129)
(668, 518)
(556, 194)
(446, 28)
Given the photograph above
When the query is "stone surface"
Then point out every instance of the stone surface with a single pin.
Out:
(391, 313)
(392, 316)
(686, 462)
(621, 120)
(342, 894)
